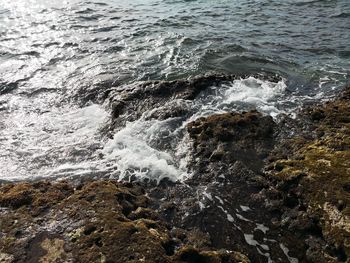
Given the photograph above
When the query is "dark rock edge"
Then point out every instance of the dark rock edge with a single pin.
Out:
(305, 184)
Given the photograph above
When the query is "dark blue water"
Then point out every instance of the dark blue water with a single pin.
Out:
(53, 53)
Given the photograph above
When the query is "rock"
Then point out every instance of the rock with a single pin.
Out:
(230, 137)
(100, 221)
(260, 191)
(6, 258)
(192, 255)
(304, 186)
(130, 102)
(320, 179)
(227, 158)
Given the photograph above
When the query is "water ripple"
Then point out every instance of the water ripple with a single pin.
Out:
(54, 53)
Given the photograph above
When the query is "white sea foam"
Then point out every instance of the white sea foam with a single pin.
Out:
(36, 142)
(220, 200)
(286, 252)
(134, 151)
(262, 227)
(39, 139)
(241, 94)
(245, 208)
(138, 148)
(243, 218)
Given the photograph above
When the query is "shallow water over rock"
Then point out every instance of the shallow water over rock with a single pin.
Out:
(56, 57)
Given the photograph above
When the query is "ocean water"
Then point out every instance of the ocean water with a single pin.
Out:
(57, 56)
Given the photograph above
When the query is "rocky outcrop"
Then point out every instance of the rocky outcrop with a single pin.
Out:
(313, 180)
(245, 137)
(260, 190)
(279, 191)
(228, 156)
(99, 221)
(131, 101)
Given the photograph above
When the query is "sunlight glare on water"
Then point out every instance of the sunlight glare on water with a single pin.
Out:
(58, 57)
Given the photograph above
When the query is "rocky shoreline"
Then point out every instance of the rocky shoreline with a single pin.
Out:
(261, 191)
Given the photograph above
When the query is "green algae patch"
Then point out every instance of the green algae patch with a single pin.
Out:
(317, 173)
(324, 186)
(228, 126)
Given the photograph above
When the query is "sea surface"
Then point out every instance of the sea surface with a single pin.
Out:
(55, 54)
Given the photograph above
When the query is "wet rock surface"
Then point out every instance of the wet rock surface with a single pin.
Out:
(222, 196)
(130, 102)
(99, 221)
(292, 175)
(260, 190)
(312, 180)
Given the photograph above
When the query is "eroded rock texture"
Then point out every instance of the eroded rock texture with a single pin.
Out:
(313, 178)
(260, 190)
(100, 221)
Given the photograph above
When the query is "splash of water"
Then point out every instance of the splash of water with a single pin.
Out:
(156, 149)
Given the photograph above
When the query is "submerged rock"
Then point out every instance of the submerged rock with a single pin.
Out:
(130, 102)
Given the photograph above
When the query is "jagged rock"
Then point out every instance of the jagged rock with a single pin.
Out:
(245, 137)
(268, 191)
(130, 102)
(315, 176)
(98, 221)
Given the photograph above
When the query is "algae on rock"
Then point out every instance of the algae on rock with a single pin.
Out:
(317, 174)
(98, 221)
